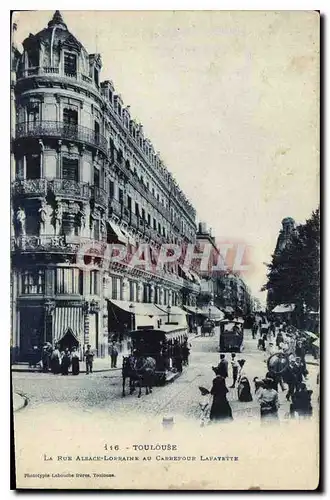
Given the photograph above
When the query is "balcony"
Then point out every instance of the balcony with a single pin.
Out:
(60, 187)
(60, 130)
(100, 196)
(47, 243)
(57, 72)
(70, 189)
(30, 187)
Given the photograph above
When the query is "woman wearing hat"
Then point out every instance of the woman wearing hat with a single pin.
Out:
(243, 388)
(268, 399)
(220, 409)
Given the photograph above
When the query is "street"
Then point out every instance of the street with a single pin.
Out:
(103, 390)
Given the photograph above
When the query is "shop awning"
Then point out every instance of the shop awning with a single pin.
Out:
(195, 277)
(65, 318)
(122, 238)
(192, 310)
(213, 312)
(283, 308)
(139, 308)
(175, 310)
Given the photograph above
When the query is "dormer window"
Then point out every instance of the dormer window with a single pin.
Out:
(70, 64)
(33, 58)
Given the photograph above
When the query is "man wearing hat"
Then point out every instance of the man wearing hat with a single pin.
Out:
(89, 360)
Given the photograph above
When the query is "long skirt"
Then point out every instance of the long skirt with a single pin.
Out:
(220, 409)
(55, 366)
(244, 391)
(65, 366)
(75, 366)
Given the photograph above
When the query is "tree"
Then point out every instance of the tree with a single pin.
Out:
(294, 273)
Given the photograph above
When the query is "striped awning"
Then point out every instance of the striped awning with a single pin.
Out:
(68, 317)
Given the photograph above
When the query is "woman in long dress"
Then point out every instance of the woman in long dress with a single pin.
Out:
(220, 409)
(55, 360)
(243, 388)
(66, 362)
(75, 361)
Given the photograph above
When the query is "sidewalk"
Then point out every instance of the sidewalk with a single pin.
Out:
(99, 365)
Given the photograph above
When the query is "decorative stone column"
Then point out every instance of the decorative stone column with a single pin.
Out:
(161, 296)
(48, 321)
(139, 289)
(125, 286)
(152, 294)
(86, 323)
(170, 297)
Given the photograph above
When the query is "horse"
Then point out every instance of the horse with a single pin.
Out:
(128, 371)
(145, 368)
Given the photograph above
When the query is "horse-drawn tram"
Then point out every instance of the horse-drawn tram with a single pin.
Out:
(156, 352)
(231, 335)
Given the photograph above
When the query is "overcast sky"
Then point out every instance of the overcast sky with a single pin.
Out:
(230, 99)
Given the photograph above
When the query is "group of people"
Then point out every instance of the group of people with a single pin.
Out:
(59, 361)
(214, 405)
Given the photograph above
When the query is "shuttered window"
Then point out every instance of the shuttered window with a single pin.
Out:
(68, 281)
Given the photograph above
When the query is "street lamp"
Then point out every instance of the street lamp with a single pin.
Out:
(131, 308)
(168, 313)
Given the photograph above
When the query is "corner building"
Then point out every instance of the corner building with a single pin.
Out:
(82, 170)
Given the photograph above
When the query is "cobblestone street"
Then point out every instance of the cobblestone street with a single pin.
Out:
(102, 390)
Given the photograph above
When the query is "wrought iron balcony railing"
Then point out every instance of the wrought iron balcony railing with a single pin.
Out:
(61, 130)
(44, 243)
(30, 187)
(71, 189)
(60, 187)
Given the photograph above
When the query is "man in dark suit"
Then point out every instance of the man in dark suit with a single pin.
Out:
(222, 368)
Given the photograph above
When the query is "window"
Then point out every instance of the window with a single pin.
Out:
(96, 177)
(96, 230)
(68, 228)
(96, 132)
(32, 220)
(137, 212)
(111, 189)
(149, 219)
(121, 196)
(33, 282)
(120, 156)
(68, 281)
(155, 224)
(33, 59)
(33, 113)
(164, 234)
(70, 64)
(70, 123)
(33, 166)
(70, 170)
(129, 203)
(159, 229)
(94, 283)
(143, 214)
(114, 288)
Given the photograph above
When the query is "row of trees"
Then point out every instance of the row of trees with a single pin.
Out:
(294, 273)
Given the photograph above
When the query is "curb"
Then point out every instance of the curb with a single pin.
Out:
(35, 370)
(20, 403)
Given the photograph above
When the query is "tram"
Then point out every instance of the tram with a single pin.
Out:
(231, 335)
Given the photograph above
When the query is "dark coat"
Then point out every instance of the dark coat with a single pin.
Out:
(220, 409)
(222, 368)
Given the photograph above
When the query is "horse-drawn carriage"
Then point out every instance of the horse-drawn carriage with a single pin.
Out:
(207, 327)
(231, 335)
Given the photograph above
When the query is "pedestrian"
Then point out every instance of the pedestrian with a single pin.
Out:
(276, 380)
(45, 357)
(223, 366)
(89, 356)
(268, 399)
(114, 356)
(301, 402)
(254, 329)
(75, 361)
(205, 406)
(220, 409)
(243, 388)
(66, 362)
(55, 360)
(185, 353)
(234, 367)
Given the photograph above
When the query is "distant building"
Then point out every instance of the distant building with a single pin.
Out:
(286, 233)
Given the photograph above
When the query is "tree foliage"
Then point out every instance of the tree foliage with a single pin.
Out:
(294, 273)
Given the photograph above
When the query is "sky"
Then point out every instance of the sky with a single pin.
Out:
(231, 101)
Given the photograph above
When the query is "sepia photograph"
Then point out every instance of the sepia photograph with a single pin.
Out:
(165, 249)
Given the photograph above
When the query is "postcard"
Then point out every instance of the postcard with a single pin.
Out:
(165, 250)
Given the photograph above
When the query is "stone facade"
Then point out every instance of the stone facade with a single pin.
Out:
(83, 170)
